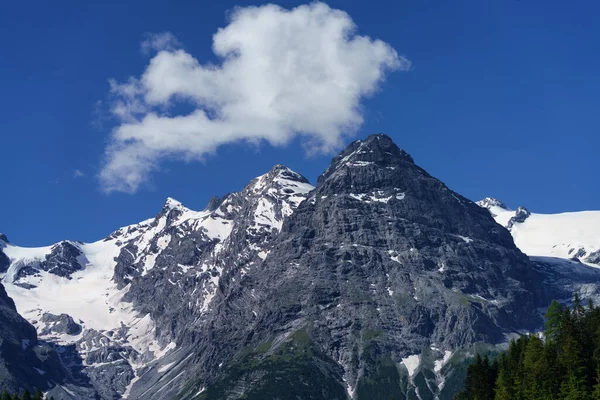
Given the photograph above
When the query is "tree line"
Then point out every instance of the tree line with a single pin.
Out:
(563, 363)
(38, 395)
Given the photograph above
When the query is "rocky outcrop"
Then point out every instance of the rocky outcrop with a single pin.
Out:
(25, 363)
(59, 324)
(63, 260)
(593, 258)
(490, 202)
(4, 260)
(520, 216)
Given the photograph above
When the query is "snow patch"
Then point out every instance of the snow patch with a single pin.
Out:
(439, 364)
(442, 266)
(466, 239)
(411, 363)
(166, 367)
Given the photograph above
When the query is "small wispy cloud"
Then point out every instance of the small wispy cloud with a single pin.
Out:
(78, 173)
(159, 41)
(284, 73)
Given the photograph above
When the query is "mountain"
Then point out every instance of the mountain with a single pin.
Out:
(379, 282)
(118, 304)
(373, 284)
(570, 235)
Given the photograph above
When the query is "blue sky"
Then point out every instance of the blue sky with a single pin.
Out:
(501, 100)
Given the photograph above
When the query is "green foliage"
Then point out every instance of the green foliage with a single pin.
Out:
(26, 395)
(564, 366)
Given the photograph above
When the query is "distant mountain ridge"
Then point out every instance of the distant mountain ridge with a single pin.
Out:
(378, 282)
(570, 235)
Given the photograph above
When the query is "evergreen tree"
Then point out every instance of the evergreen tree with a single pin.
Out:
(6, 395)
(578, 310)
(596, 392)
(479, 383)
(38, 395)
(571, 355)
(553, 321)
(537, 373)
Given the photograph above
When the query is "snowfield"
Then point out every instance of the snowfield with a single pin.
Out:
(570, 235)
(90, 296)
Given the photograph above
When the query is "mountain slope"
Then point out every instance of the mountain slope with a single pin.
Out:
(384, 273)
(571, 235)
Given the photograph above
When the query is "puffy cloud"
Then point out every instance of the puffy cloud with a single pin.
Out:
(283, 73)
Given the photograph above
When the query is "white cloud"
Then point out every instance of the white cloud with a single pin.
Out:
(283, 73)
(159, 41)
(78, 173)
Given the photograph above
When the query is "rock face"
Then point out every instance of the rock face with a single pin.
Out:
(4, 260)
(24, 362)
(58, 324)
(192, 253)
(490, 202)
(520, 216)
(62, 260)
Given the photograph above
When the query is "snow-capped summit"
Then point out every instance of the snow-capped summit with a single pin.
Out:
(490, 202)
(279, 177)
(171, 204)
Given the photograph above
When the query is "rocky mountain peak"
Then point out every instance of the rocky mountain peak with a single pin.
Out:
(3, 238)
(490, 202)
(214, 203)
(364, 160)
(277, 178)
(372, 265)
(170, 205)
